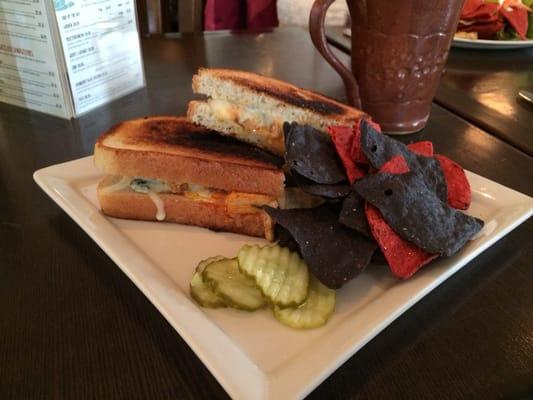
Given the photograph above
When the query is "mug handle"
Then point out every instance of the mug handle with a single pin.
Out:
(318, 36)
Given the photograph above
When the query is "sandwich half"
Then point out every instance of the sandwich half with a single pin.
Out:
(253, 108)
(168, 169)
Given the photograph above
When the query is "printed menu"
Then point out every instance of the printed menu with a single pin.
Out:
(66, 57)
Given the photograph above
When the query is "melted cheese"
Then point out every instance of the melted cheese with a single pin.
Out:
(199, 190)
(160, 214)
(247, 203)
(260, 127)
(247, 117)
(120, 184)
(144, 185)
(234, 202)
(223, 110)
(296, 198)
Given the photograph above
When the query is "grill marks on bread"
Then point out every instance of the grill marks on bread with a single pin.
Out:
(293, 96)
(177, 133)
(209, 81)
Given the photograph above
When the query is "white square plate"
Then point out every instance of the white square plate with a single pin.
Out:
(251, 354)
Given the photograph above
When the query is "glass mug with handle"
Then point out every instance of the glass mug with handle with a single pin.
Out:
(399, 50)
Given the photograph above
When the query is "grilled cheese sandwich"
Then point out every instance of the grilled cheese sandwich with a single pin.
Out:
(253, 108)
(167, 169)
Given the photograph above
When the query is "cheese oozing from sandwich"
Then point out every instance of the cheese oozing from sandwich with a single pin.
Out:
(235, 202)
(248, 121)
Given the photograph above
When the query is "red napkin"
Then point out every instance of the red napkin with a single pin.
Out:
(261, 14)
(240, 14)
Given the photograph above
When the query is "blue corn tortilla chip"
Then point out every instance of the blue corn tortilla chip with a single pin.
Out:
(285, 239)
(353, 216)
(379, 148)
(312, 154)
(334, 253)
(378, 257)
(415, 212)
(336, 191)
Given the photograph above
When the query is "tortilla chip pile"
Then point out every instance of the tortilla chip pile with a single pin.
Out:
(378, 193)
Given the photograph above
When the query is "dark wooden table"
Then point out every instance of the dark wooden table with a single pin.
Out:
(482, 86)
(73, 326)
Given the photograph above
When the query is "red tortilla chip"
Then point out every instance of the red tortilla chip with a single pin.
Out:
(355, 149)
(396, 165)
(343, 138)
(347, 141)
(423, 148)
(403, 257)
(459, 193)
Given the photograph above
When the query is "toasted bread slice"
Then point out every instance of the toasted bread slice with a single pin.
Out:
(253, 108)
(174, 150)
(215, 212)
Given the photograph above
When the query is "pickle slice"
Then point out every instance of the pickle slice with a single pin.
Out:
(204, 263)
(281, 274)
(201, 292)
(228, 282)
(314, 312)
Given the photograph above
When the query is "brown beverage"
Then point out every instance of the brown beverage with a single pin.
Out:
(398, 53)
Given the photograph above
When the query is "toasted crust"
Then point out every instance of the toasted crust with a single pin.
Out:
(129, 204)
(283, 92)
(175, 150)
(252, 95)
